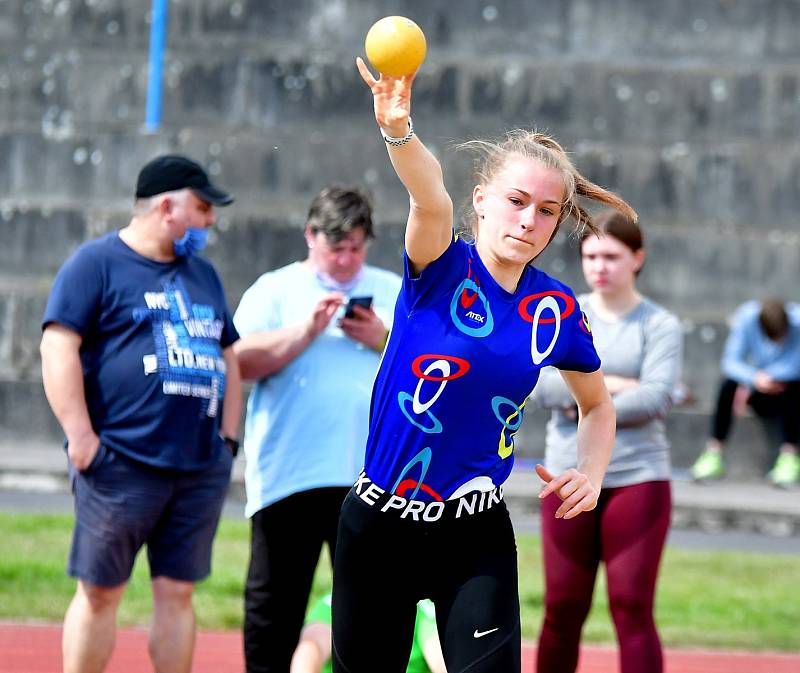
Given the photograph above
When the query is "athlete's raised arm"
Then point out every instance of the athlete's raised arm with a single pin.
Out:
(430, 218)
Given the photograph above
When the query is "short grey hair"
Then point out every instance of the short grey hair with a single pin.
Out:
(146, 205)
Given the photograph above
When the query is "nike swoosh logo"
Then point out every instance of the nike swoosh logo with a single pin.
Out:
(481, 634)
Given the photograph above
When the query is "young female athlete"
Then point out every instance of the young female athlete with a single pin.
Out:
(474, 324)
(641, 346)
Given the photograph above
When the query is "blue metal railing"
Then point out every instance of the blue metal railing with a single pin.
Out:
(158, 39)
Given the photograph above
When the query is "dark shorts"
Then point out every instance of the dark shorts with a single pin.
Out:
(387, 559)
(121, 504)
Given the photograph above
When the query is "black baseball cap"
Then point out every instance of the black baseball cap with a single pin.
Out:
(172, 172)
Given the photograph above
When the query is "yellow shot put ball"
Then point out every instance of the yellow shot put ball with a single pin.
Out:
(395, 46)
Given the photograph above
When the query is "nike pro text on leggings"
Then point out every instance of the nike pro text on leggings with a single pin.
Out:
(467, 566)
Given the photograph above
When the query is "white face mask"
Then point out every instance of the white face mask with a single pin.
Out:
(330, 283)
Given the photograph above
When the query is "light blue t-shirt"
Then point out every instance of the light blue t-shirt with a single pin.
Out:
(307, 424)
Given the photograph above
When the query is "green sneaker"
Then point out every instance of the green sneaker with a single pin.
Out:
(786, 470)
(709, 465)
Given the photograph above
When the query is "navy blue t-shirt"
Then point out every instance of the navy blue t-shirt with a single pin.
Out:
(463, 357)
(153, 335)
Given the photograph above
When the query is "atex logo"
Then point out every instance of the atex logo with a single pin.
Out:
(477, 317)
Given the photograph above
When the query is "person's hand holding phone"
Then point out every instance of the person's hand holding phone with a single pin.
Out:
(323, 313)
(362, 324)
(364, 302)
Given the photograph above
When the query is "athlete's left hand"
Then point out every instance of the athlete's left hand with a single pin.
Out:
(574, 488)
(366, 328)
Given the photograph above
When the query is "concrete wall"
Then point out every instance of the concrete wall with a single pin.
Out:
(689, 108)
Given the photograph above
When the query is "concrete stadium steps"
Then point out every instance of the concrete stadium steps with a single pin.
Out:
(27, 419)
(583, 96)
(751, 449)
(726, 166)
(628, 27)
(701, 274)
(690, 110)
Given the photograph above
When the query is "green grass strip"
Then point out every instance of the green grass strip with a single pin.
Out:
(737, 600)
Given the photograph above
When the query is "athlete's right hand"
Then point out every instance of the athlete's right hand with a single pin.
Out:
(576, 491)
(391, 98)
(322, 314)
(82, 450)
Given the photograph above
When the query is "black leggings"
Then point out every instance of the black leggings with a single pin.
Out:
(285, 542)
(385, 564)
(785, 407)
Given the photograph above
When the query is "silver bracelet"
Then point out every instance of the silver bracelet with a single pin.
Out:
(396, 142)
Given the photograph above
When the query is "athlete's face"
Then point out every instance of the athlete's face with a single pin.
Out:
(518, 210)
(341, 260)
(609, 265)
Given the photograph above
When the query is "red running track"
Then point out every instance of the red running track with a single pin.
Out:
(33, 648)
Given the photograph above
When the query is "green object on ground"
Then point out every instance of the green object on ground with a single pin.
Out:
(424, 629)
(786, 471)
(709, 465)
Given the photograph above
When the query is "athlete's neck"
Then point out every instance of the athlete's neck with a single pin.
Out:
(505, 275)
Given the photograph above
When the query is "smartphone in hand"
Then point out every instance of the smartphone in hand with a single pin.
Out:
(366, 302)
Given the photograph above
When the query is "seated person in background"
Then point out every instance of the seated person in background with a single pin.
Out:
(313, 653)
(761, 369)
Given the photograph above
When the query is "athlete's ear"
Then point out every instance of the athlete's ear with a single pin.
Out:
(478, 198)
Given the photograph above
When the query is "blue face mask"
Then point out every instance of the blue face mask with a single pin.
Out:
(192, 242)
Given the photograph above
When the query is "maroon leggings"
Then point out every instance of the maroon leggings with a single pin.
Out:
(626, 531)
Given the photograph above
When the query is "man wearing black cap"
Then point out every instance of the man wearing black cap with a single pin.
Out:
(138, 367)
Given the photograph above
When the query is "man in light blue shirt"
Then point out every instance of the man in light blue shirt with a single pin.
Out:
(761, 368)
(314, 361)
